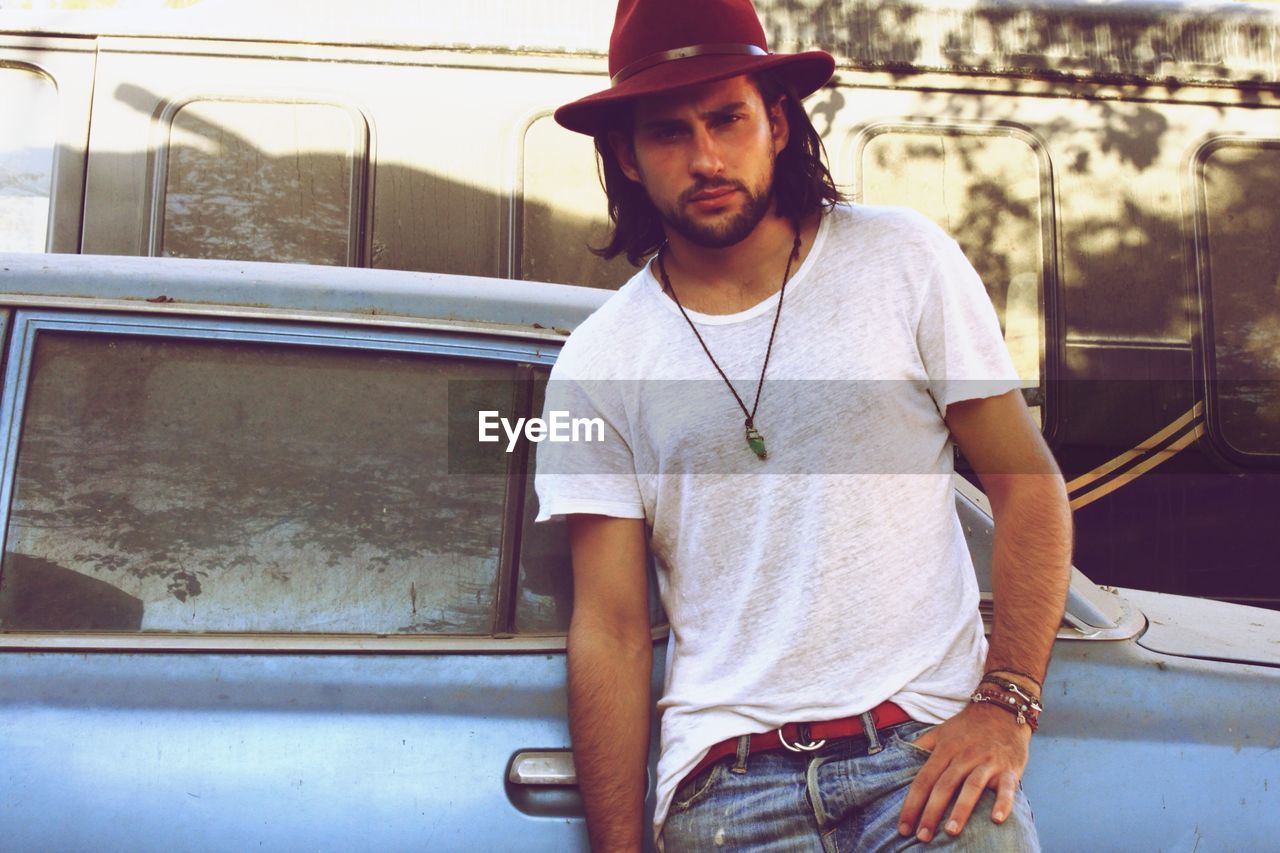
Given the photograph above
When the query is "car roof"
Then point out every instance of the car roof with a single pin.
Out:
(321, 293)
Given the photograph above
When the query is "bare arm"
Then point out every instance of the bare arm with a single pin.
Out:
(1031, 561)
(610, 664)
(984, 747)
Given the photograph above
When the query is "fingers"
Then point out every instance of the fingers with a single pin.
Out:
(918, 795)
(927, 800)
(972, 789)
(1006, 790)
(943, 792)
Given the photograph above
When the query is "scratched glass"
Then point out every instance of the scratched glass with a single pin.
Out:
(194, 486)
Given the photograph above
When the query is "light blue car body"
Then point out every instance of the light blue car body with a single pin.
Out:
(1161, 729)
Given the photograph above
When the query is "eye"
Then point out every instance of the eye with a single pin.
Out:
(665, 132)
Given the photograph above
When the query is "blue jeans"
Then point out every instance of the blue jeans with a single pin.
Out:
(845, 796)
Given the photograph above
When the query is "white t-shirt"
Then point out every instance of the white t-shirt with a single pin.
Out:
(833, 575)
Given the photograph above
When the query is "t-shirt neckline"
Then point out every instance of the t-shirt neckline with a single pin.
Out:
(768, 304)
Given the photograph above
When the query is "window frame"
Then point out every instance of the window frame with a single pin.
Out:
(359, 230)
(1218, 439)
(1052, 325)
(69, 64)
(25, 326)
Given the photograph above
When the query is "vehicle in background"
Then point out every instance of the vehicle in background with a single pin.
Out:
(1110, 169)
(263, 588)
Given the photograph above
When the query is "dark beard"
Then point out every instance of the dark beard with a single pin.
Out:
(725, 234)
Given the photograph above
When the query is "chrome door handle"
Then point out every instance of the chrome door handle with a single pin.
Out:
(543, 767)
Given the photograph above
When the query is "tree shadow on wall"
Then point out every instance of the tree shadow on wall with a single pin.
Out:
(234, 200)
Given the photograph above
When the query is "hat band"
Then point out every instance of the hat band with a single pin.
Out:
(653, 59)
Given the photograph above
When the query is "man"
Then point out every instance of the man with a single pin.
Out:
(828, 684)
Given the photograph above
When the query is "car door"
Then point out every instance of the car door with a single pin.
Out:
(262, 588)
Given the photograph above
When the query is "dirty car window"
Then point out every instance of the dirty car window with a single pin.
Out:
(228, 486)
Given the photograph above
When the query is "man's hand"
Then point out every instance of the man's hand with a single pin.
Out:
(979, 748)
(984, 746)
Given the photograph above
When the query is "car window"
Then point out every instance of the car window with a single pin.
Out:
(545, 595)
(196, 485)
(28, 119)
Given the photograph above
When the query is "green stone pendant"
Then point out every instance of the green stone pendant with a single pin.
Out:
(756, 441)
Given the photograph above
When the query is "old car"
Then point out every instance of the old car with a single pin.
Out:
(262, 588)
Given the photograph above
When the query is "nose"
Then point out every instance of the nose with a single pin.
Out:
(706, 160)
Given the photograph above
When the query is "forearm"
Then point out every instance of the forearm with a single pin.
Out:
(1030, 571)
(609, 709)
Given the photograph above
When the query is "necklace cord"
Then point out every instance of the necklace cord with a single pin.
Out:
(777, 314)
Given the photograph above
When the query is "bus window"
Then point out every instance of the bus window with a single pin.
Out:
(263, 181)
(28, 127)
(987, 188)
(562, 210)
(1240, 269)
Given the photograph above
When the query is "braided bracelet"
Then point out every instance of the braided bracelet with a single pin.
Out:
(1024, 711)
(1014, 688)
(1037, 682)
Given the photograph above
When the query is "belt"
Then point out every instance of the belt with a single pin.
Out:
(803, 737)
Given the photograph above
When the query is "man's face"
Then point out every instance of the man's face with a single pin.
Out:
(705, 157)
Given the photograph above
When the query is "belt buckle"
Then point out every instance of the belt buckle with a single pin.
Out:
(810, 744)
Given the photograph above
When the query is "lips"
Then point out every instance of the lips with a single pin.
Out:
(712, 197)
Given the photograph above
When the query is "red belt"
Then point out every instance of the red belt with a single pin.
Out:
(802, 737)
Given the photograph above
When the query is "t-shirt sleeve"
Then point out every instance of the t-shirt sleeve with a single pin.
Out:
(594, 470)
(958, 335)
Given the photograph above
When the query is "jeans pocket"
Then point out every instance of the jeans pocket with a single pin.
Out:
(694, 791)
(908, 734)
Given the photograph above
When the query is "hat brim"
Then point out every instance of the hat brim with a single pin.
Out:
(807, 72)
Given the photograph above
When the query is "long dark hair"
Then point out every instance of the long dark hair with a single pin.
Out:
(801, 181)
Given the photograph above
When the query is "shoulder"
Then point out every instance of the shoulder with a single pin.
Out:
(590, 349)
(886, 253)
(901, 230)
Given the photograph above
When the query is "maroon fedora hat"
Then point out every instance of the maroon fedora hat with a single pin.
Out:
(663, 45)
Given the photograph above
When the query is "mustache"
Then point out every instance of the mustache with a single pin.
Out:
(716, 184)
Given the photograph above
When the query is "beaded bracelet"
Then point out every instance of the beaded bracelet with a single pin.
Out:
(1025, 712)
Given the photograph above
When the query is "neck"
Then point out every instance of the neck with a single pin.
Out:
(732, 279)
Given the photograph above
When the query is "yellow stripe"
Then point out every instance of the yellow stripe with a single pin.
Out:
(1142, 448)
(1133, 473)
